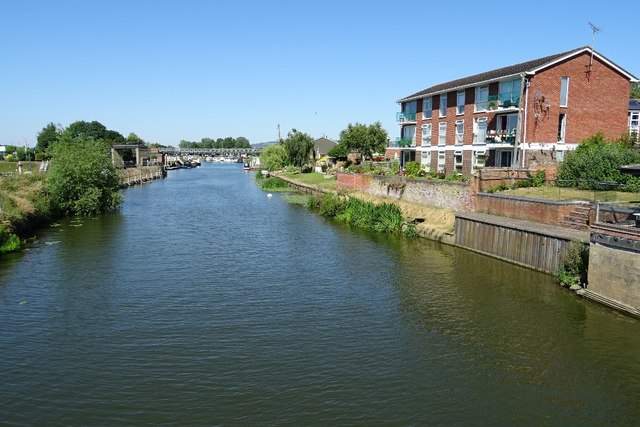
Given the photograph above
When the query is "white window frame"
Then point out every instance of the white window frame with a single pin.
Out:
(460, 103)
(479, 160)
(427, 131)
(564, 87)
(459, 132)
(476, 126)
(427, 108)
(425, 160)
(442, 161)
(443, 105)
(458, 166)
(442, 134)
(481, 105)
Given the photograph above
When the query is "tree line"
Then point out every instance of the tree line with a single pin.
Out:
(228, 142)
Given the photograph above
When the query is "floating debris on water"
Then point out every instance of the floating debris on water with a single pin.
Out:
(23, 302)
(77, 225)
(53, 242)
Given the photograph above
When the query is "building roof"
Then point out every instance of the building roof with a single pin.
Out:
(529, 67)
(323, 145)
(634, 104)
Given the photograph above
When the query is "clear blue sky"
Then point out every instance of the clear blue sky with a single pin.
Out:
(188, 69)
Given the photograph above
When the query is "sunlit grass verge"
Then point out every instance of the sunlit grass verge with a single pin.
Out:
(381, 218)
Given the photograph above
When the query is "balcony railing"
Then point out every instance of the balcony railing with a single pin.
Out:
(501, 137)
(504, 100)
(404, 117)
(403, 143)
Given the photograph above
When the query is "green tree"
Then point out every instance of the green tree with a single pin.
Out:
(298, 146)
(273, 157)
(635, 91)
(242, 142)
(94, 130)
(82, 179)
(339, 152)
(47, 137)
(135, 139)
(364, 139)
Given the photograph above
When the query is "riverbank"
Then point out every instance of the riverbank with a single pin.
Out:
(24, 207)
(430, 222)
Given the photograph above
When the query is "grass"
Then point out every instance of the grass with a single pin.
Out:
(314, 178)
(558, 193)
(12, 167)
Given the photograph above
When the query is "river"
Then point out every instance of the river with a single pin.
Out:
(205, 302)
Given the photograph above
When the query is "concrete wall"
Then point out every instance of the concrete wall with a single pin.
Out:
(614, 268)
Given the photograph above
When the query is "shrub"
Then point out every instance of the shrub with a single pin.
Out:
(273, 157)
(594, 161)
(413, 170)
(274, 183)
(9, 242)
(575, 265)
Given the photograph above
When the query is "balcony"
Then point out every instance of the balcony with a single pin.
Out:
(501, 137)
(403, 143)
(503, 101)
(405, 117)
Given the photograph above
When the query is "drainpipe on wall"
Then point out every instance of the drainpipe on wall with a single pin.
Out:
(524, 130)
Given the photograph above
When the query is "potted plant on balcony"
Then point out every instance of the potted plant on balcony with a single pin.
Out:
(493, 104)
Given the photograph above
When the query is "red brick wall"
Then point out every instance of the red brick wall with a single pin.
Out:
(352, 181)
(596, 103)
(519, 208)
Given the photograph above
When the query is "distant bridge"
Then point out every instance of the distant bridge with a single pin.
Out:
(227, 152)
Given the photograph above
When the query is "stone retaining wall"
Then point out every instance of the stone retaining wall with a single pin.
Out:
(525, 208)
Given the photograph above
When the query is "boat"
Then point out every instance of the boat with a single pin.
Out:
(246, 166)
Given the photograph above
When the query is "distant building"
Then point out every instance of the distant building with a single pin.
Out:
(516, 116)
(321, 146)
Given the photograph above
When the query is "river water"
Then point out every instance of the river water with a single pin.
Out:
(205, 302)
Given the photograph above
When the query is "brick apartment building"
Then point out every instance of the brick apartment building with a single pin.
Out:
(517, 116)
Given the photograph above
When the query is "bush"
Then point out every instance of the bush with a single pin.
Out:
(575, 265)
(273, 183)
(82, 179)
(596, 162)
(9, 242)
(413, 170)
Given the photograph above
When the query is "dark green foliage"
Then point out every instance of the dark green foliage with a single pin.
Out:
(575, 265)
(635, 91)
(47, 137)
(382, 218)
(82, 179)
(338, 152)
(364, 139)
(9, 242)
(273, 183)
(596, 162)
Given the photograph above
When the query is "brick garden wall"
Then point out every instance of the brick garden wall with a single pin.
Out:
(543, 211)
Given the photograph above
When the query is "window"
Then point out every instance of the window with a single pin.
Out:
(480, 130)
(562, 127)
(441, 161)
(409, 111)
(426, 108)
(408, 135)
(457, 161)
(442, 133)
(425, 160)
(479, 159)
(564, 91)
(459, 132)
(443, 105)
(460, 103)
(509, 93)
(482, 98)
(426, 134)
(503, 158)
